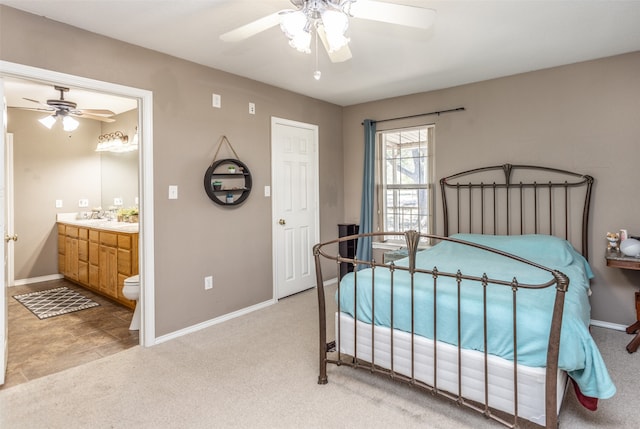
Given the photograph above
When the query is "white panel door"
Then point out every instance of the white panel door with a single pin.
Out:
(294, 172)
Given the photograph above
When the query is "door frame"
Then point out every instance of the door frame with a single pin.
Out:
(145, 176)
(275, 122)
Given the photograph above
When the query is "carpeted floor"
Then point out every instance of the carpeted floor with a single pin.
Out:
(260, 371)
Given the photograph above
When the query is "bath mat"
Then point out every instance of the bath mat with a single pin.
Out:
(54, 302)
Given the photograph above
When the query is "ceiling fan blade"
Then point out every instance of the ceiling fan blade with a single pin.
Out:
(341, 55)
(410, 16)
(45, 106)
(90, 116)
(104, 112)
(34, 109)
(252, 28)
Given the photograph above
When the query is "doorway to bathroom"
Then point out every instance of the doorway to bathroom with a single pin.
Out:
(143, 101)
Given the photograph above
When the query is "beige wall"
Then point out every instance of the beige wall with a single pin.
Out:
(583, 117)
(193, 236)
(49, 165)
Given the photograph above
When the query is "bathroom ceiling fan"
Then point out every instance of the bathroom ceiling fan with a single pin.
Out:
(330, 20)
(63, 108)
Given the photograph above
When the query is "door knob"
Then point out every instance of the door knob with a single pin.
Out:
(8, 237)
(281, 222)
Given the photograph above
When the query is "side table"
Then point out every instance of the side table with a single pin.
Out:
(620, 260)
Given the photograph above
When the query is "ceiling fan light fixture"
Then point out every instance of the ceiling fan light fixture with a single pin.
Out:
(335, 25)
(69, 123)
(48, 121)
(296, 27)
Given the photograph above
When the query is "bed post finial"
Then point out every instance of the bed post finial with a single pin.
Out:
(507, 172)
(412, 237)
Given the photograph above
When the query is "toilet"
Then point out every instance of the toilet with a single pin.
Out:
(131, 290)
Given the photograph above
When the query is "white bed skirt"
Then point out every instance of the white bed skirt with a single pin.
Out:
(531, 381)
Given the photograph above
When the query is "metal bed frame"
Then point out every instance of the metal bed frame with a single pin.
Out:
(487, 205)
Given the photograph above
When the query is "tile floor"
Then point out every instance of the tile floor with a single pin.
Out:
(41, 347)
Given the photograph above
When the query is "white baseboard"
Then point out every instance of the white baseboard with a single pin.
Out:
(330, 282)
(215, 321)
(28, 281)
(608, 325)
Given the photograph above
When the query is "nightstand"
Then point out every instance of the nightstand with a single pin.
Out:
(620, 260)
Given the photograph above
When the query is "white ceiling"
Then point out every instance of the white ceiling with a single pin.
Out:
(470, 41)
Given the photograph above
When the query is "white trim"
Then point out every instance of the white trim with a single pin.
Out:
(608, 325)
(330, 282)
(145, 127)
(386, 245)
(216, 321)
(9, 202)
(39, 279)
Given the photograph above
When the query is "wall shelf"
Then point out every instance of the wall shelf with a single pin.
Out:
(234, 187)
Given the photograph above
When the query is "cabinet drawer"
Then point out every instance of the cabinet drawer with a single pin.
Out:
(124, 241)
(108, 239)
(94, 235)
(71, 231)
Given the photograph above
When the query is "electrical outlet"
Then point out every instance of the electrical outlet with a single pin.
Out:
(58, 204)
(252, 108)
(208, 282)
(83, 203)
(117, 201)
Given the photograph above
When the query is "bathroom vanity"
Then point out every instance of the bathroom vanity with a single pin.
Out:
(99, 255)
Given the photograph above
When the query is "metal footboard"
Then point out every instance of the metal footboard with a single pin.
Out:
(327, 355)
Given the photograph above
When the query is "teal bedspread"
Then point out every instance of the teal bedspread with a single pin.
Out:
(579, 355)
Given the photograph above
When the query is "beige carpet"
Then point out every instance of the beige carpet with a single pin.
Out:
(260, 371)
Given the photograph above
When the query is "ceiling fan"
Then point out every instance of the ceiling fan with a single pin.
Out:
(61, 108)
(330, 20)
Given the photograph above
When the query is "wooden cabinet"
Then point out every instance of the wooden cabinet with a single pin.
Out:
(98, 259)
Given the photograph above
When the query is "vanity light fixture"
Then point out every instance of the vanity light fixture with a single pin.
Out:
(116, 141)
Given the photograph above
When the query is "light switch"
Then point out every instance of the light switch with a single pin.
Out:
(173, 192)
(267, 191)
(58, 204)
(216, 100)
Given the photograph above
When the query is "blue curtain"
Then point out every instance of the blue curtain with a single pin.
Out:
(364, 250)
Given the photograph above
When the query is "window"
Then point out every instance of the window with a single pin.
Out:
(405, 188)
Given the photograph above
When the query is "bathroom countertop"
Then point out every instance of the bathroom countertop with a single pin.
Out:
(108, 225)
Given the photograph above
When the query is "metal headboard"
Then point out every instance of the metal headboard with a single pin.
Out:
(518, 199)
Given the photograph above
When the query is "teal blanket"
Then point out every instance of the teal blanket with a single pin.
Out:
(579, 355)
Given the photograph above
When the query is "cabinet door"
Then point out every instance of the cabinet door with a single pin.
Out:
(83, 272)
(108, 271)
(71, 258)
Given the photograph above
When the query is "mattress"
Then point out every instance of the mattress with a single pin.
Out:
(531, 380)
(578, 355)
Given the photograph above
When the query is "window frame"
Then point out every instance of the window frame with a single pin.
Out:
(382, 186)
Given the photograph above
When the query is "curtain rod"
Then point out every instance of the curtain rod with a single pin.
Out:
(457, 109)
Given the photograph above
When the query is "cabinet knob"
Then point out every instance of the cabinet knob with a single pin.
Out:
(282, 222)
(8, 237)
